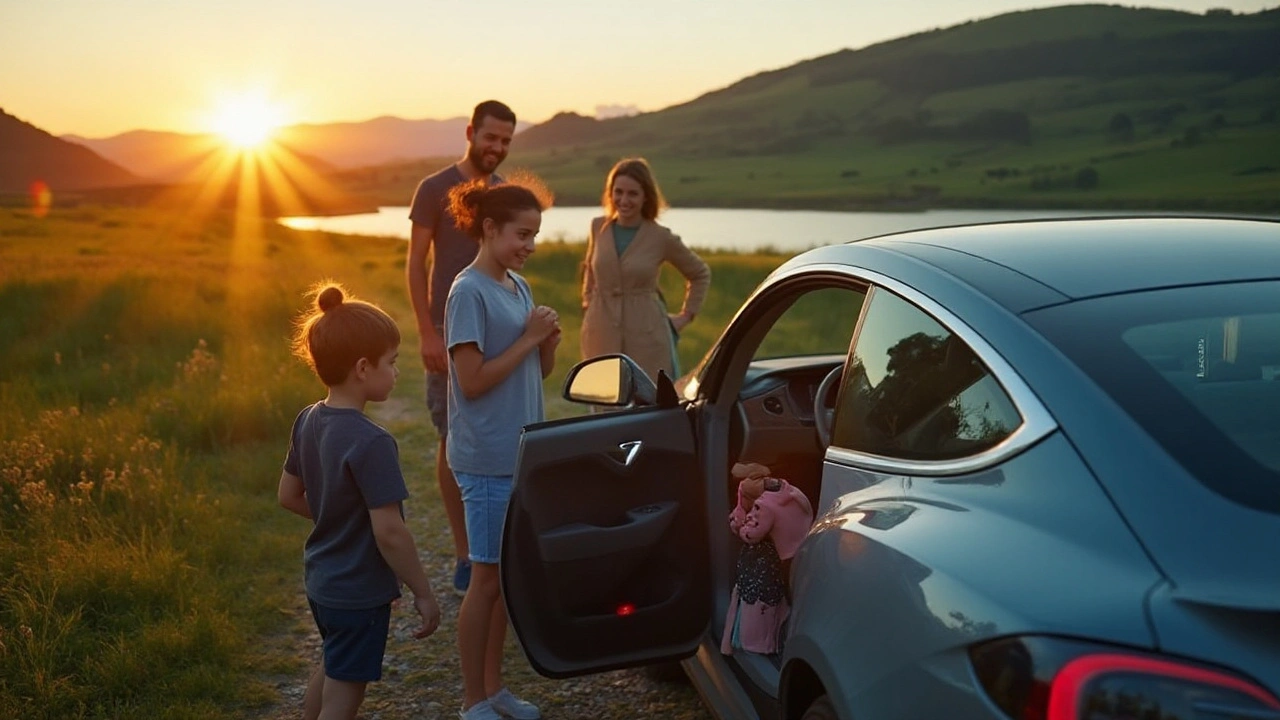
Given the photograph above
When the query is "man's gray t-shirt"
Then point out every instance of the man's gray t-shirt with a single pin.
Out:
(451, 249)
(348, 464)
(484, 432)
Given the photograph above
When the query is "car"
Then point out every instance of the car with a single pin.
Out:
(1043, 459)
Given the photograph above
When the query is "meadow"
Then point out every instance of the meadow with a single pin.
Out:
(146, 394)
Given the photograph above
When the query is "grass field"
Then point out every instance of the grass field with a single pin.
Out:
(146, 393)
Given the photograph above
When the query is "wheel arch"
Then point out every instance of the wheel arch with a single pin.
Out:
(800, 686)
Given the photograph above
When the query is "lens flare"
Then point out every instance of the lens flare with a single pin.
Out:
(41, 198)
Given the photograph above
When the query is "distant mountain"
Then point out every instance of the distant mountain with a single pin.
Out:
(155, 155)
(30, 154)
(1078, 105)
(169, 156)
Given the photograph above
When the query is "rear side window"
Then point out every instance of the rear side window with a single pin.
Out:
(1197, 367)
(915, 391)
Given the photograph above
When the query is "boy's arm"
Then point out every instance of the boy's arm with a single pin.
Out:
(396, 544)
(293, 495)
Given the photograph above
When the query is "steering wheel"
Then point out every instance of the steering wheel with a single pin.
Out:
(823, 416)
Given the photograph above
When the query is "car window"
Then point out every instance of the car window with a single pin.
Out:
(915, 391)
(1197, 367)
(820, 322)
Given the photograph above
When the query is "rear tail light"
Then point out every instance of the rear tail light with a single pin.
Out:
(1040, 678)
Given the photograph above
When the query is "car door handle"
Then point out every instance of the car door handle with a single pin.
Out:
(640, 529)
(626, 452)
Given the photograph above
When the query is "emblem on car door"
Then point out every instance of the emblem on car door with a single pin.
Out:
(626, 452)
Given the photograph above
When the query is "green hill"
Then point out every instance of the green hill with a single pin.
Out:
(1075, 106)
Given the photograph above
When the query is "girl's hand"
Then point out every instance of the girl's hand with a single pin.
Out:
(552, 341)
(542, 322)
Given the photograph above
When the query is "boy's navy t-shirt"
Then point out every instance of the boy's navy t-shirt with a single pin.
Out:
(348, 464)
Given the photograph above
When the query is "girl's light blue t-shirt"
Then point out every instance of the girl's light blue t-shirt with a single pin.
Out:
(484, 432)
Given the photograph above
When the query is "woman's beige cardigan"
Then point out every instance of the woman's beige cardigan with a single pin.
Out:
(623, 311)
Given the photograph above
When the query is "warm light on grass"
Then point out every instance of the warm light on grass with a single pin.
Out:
(247, 121)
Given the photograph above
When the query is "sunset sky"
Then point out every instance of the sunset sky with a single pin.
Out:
(97, 68)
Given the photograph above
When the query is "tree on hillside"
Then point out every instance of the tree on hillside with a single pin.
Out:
(1120, 128)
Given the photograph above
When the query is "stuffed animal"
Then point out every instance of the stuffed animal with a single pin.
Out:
(771, 518)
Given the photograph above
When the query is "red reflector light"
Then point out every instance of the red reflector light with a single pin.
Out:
(625, 609)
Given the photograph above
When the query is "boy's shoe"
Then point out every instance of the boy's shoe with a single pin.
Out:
(482, 710)
(511, 707)
(462, 576)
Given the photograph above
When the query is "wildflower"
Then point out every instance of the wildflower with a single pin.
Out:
(36, 496)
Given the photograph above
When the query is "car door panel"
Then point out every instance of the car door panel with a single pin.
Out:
(604, 559)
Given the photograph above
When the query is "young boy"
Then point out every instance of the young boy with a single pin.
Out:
(343, 472)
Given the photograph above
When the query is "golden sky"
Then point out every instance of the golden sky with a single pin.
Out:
(100, 67)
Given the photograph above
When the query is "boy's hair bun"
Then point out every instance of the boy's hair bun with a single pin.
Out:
(329, 298)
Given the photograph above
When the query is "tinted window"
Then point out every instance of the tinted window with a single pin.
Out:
(915, 391)
(1198, 367)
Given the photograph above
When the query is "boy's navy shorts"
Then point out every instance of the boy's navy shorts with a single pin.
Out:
(354, 641)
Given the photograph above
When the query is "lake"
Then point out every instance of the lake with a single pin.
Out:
(743, 230)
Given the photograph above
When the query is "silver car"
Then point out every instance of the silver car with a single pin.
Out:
(1044, 464)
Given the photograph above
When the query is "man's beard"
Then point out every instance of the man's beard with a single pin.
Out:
(480, 161)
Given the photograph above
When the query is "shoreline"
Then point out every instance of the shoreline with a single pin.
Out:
(357, 204)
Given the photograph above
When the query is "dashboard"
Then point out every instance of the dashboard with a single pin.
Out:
(774, 419)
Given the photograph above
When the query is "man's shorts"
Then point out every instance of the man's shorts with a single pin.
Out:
(484, 498)
(438, 402)
(354, 641)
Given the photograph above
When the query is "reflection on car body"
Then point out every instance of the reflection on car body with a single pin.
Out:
(1045, 470)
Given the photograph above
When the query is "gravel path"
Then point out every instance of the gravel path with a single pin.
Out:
(420, 678)
(421, 681)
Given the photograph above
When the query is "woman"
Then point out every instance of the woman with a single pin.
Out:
(623, 310)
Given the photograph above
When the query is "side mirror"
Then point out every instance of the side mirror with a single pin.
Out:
(610, 380)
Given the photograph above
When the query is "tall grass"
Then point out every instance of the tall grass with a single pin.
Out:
(146, 394)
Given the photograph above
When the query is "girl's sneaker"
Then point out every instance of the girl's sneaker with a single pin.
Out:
(482, 710)
(512, 707)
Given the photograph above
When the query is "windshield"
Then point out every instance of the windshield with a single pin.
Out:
(1198, 367)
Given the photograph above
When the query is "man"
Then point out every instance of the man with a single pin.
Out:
(436, 241)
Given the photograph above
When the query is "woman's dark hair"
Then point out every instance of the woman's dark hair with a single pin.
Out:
(339, 331)
(475, 201)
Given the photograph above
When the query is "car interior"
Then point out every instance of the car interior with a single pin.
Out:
(1228, 368)
(781, 361)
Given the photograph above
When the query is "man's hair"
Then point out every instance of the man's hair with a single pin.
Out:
(339, 331)
(637, 169)
(494, 109)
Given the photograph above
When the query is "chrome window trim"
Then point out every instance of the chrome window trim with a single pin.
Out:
(1036, 420)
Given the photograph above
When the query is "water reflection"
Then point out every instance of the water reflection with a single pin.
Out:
(742, 229)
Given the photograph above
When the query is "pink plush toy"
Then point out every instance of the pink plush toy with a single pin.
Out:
(771, 518)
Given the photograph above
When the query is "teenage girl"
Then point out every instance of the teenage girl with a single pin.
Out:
(500, 348)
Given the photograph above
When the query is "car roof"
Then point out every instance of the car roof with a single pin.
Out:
(1087, 257)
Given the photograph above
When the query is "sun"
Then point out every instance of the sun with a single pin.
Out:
(247, 121)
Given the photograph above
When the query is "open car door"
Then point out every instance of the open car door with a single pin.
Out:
(604, 552)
